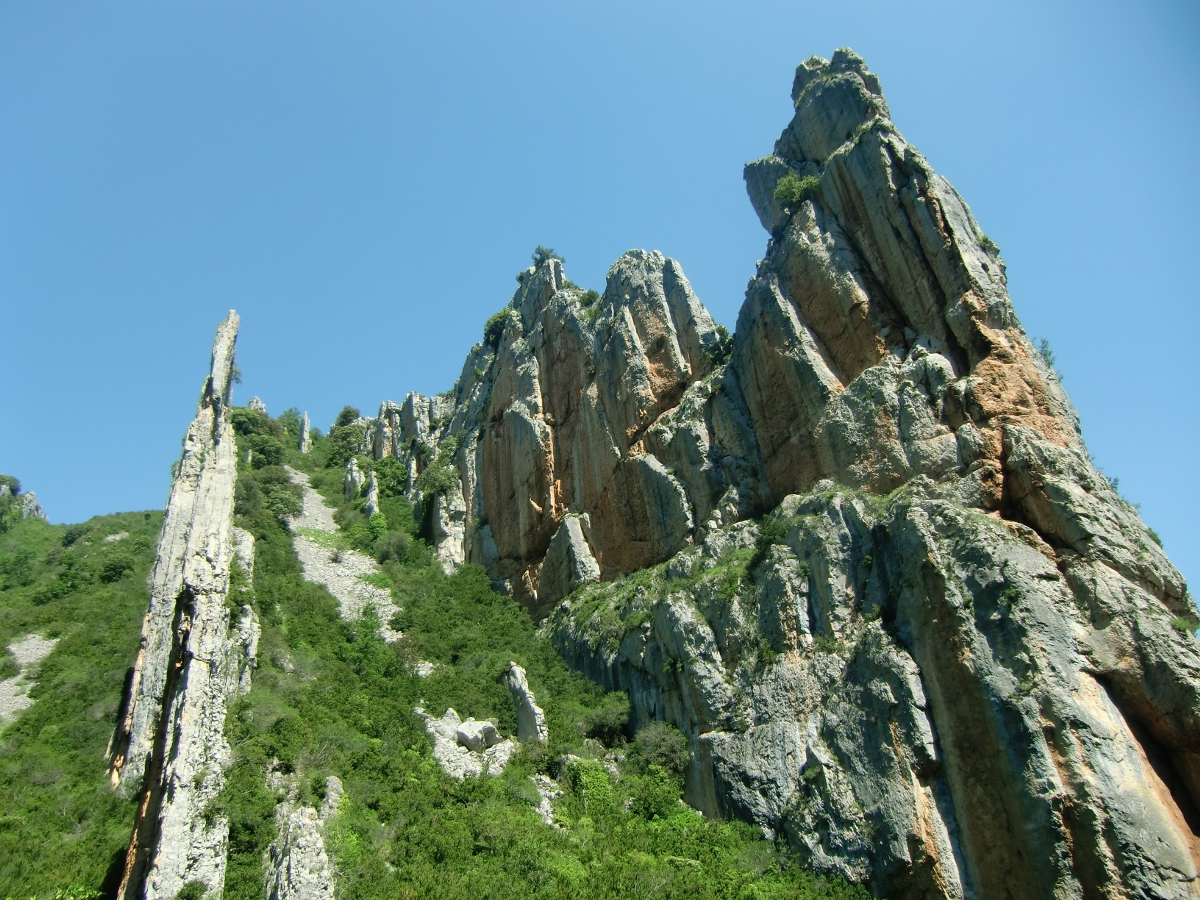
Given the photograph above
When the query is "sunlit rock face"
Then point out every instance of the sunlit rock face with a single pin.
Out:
(170, 750)
(955, 663)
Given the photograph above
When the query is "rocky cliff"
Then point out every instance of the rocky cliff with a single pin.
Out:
(196, 653)
(952, 662)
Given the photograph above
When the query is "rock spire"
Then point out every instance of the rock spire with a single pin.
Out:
(169, 750)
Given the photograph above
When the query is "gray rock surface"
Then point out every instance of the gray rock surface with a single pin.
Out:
(531, 721)
(956, 674)
(170, 750)
(965, 670)
(298, 866)
(568, 562)
(257, 405)
(30, 508)
(353, 481)
(454, 756)
(371, 503)
(305, 426)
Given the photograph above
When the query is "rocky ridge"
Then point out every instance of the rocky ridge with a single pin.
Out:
(169, 749)
(953, 662)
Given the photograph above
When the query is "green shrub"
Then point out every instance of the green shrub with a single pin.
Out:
(791, 190)
(193, 890)
(1183, 626)
(115, 566)
(493, 329)
(721, 348)
(348, 416)
(343, 443)
(544, 254)
(656, 794)
(661, 745)
(377, 525)
(609, 722)
(589, 298)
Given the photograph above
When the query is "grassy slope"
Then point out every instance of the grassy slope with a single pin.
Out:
(60, 823)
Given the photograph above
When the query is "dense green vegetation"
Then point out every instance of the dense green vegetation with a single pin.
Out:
(330, 697)
(60, 823)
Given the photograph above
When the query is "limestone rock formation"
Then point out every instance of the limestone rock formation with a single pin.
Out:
(467, 748)
(298, 866)
(305, 426)
(954, 662)
(371, 503)
(257, 405)
(531, 721)
(611, 408)
(30, 508)
(170, 749)
(353, 481)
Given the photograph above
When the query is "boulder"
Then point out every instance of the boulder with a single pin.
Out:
(476, 735)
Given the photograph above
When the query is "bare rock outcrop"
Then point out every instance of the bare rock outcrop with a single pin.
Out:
(531, 721)
(467, 747)
(305, 427)
(170, 750)
(298, 866)
(611, 408)
(956, 663)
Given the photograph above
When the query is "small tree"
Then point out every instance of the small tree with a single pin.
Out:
(544, 254)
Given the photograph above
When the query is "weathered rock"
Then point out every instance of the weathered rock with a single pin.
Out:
(298, 866)
(959, 677)
(305, 440)
(30, 508)
(476, 735)
(353, 480)
(568, 563)
(371, 503)
(531, 721)
(454, 756)
(956, 675)
(170, 748)
(257, 405)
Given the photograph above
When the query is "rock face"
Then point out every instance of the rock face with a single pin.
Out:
(298, 866)
(257, 405)
(169, 750)
(371, 503)
(608, 408)
(531, 721)
(305, 426)
(353, 480)
(955, 663)
(30, 508)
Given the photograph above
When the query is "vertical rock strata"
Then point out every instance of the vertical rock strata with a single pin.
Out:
(196, 653)
(955, 663)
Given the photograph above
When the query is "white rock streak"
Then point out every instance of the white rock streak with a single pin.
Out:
(14, 692)
(340, 572)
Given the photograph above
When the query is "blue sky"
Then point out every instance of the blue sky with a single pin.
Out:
(362, 181)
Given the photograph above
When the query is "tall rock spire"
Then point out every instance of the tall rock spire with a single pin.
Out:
(169, 749)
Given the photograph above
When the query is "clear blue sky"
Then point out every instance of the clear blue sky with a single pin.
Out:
(361, 181)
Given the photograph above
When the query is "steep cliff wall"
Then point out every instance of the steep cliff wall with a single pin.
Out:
(954, 662)
(169, 749)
